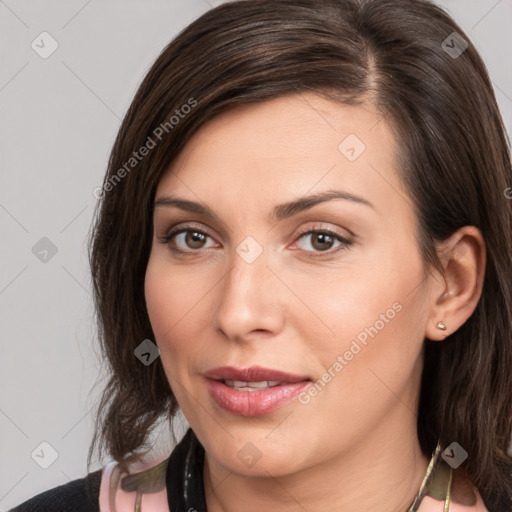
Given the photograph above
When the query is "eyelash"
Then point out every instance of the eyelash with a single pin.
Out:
(345, 242)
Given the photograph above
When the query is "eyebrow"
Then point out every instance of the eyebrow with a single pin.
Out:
(280, 212)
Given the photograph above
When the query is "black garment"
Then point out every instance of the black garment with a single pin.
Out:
(80, 495)
(185, 487)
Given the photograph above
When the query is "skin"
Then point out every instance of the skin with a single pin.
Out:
(354, 445)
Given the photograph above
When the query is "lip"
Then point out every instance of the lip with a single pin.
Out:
(253, 403)
(252, 374)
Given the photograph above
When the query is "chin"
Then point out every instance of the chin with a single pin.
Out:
(251, 451)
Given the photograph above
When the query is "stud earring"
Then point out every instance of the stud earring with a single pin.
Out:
(440, 325)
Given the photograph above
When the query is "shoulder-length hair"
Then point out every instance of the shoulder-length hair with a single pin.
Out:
(431, 85)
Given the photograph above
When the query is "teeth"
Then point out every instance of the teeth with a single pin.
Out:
(242, 385)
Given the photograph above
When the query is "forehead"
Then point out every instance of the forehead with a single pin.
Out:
(287, 146)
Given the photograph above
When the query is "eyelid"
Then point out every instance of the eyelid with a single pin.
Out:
(320, 227)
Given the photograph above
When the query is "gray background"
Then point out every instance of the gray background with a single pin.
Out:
(59, 117)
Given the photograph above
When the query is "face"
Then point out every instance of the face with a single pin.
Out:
(318, 307)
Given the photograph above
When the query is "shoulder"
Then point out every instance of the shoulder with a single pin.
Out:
(465, 497)
(479, 506)
(79, 495)
(106, 490)
(430, 504)
(474, 504)
(142, 485)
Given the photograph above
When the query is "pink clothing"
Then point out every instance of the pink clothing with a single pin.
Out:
(429, 504)
(114, 499)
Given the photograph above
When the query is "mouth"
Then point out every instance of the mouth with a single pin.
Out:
(241, 385)
(254, 374)
(253, 391)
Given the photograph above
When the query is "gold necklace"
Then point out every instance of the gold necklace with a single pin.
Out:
(437, 482)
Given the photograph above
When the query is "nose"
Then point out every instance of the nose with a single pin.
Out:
(251, 299)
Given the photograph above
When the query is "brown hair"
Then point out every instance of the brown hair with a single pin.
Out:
(455, 162)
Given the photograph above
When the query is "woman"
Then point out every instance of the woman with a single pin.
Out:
(306, 211)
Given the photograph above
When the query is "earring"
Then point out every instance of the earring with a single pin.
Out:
(440, 325)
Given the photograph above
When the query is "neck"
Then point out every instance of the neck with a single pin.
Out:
(383, 472)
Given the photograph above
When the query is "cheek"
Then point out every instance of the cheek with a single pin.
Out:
(376, 312)
(164, 311)
(389, 328)
(175, 300)
(164, 302)
(380, 283)
(158, 298)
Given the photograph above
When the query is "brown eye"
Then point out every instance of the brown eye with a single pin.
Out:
(186, 240)
(322, 241)
(195, 239)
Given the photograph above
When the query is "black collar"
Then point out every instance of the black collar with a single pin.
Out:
(184, 477)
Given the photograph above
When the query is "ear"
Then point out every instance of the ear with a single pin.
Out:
(454, 296)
